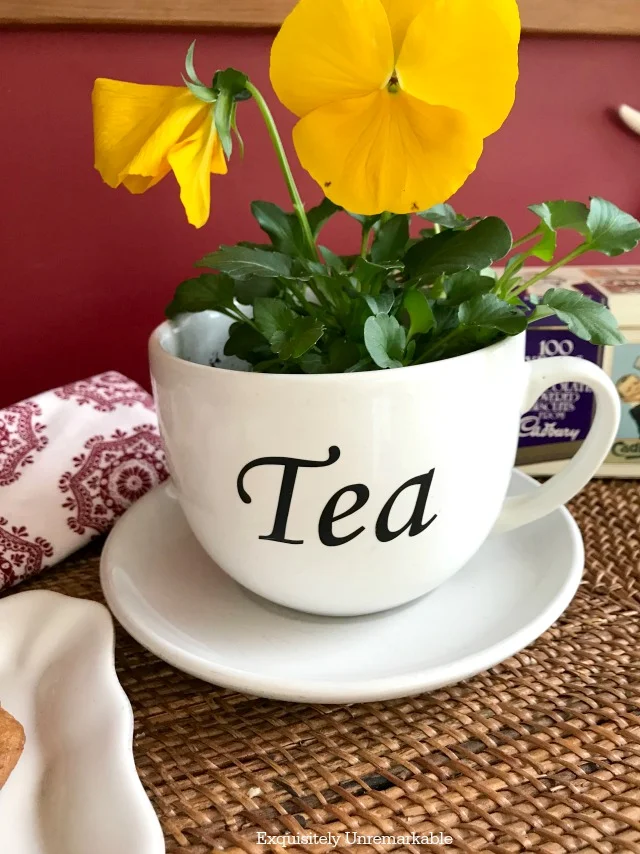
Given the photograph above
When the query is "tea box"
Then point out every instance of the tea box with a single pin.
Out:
(553, 430)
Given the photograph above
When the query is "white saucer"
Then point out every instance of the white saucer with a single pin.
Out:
(174, 600)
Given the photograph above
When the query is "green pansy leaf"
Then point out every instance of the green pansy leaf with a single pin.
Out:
(332, 285)
(249, 244)
(365, 220)
(369, 275)
(488, 311)
(545, 248)
(304, 268)
(349, 260)
(385, 340)
(246, 343)
(283, 228)
(289, 335)
(454, 251)
(272, 316)
(435, 290)
(270, 365)
(382, 304)
(247, 290)
(355, 317)
(242, 262)
(385, 303)
(209, 291)
(372, 303)
(612, 231)
(343, 354)
(445, 216)
(563, 214)
(300, 336)
(313, 363)
(362, 365)
(320, 214)
(584, 317)
(420, 313)
(336, 289)
(466, 285)
(391, 240)
(332, 260)
(446, 317)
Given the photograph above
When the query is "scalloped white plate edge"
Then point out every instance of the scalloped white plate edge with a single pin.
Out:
(76, 788)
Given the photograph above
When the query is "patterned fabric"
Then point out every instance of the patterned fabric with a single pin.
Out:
(71, 461)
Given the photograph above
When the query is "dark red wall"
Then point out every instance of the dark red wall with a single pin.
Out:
(86, 271)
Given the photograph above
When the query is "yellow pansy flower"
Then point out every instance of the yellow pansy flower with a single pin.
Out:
(395, 97)
(141, 133)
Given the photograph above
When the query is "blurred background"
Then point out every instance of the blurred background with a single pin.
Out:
(86, 270)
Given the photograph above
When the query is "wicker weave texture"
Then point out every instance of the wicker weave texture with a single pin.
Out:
(542, 753)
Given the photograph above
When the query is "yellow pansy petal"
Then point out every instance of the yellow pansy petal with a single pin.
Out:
(400, 14)
(464, 54)
(137, 184)
(192, 162)
(135, 126)
(331, 50)
(387, 152)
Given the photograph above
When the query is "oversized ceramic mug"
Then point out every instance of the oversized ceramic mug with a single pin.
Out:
(346, 494)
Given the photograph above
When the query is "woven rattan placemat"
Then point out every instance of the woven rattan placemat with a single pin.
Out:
(542, 753)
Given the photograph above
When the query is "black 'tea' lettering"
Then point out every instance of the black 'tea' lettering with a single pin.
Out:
(289, 474)
(325, 526)
(416, 524)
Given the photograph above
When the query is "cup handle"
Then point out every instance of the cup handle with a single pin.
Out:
(522, 509)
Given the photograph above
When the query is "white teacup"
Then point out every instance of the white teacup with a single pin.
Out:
(343, 494)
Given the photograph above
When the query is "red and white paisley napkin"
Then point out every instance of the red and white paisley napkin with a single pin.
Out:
(71, 461)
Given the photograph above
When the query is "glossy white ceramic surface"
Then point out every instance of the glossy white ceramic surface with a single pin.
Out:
(344, 494)
(170, 596)
(75, 789)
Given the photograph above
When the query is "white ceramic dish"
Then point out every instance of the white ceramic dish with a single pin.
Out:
(75, 789)
(172, 598)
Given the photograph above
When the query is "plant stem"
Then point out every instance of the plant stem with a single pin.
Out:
(298, 292)
(525, 239)
(575, 253)
(503, 285)
(286, 169)
(364, 245)
(505, 282)
(237, 315)
(539, 313)
(241, 317)
(439, 345)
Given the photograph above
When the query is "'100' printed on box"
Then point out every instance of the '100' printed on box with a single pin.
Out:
(553, 430)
